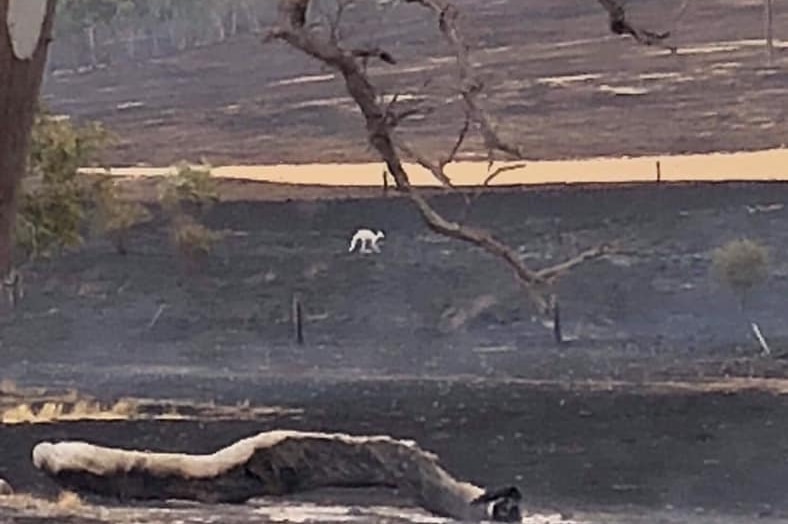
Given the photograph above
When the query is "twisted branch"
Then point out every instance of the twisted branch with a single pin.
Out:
(620, 25)
(380, 127)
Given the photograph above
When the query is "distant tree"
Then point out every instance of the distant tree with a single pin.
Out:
(741, 265)
(84, 16)
(89, 30)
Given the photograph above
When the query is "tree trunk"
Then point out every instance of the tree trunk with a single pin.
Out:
(768, 29)
(233, 20)
(25, 33)
(131, 44)
(155, 48)
(251, 17)
(218, 22)
(91, 33)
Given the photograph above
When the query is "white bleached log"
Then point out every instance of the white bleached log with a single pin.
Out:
(274, 463)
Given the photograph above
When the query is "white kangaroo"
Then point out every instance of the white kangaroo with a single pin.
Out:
(369, 241)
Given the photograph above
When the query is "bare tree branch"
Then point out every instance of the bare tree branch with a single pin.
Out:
(293, 13)
(466, 125)
(549, 274)
(380, 132)
(501, 170)
(434, 168)
(491, 176)
(621, 26)
(438, 169)
(471, 86)
(335, 21)
(374, 52)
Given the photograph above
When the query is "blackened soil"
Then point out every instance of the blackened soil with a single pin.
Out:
(568, 449)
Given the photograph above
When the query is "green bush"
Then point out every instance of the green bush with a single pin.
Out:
(53, 199)
(185, 196)
(741, 265)
(192, 238)
(191, 187)
(114, 216)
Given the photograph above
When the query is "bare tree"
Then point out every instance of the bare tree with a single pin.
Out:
(383, 118)
(621, 25)
(25, 33)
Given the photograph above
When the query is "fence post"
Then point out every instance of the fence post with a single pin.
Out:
(558, 334)
(297, 314)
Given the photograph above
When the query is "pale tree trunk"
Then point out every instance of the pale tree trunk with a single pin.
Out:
(154, 36)
(91, 33)
(25, 33)
(768, 29)
(251, 17)
(132, 44)
(171, 31)
(218, 22)
(233, 19)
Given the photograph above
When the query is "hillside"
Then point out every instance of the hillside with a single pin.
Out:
(497, 399)
(654, 310)
(556, 80)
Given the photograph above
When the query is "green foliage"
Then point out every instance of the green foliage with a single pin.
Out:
(190, 186)
(53, 200)
(192, 238)
(184, 196)
(114, 216)
(741, 265)
(59, 147)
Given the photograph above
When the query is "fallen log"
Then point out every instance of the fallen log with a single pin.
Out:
(275, 463)
(5, 488)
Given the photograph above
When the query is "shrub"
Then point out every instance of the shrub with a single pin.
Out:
(116, 217)
(741, 265)
(191, 238)
(53, 200)
(184, 196)
(190, 186)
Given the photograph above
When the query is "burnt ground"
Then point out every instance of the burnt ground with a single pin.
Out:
(691, 456)
(645, 312)
(652, 313)
(552, 73)
(377, 361)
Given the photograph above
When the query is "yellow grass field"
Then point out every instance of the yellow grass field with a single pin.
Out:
(769, 164)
